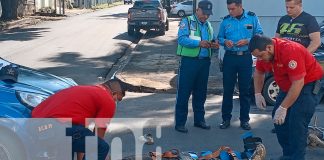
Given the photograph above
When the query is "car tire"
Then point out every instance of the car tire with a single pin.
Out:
(162, 30)
(270, 91)
(167, 25)
(181, 13)
(137, 31)
(10, 147)
(130, 30)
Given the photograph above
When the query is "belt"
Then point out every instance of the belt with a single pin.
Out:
(239, 53)
(202, 57)
(199, 58)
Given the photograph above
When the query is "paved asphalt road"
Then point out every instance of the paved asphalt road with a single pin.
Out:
(82, 47)
(85, 46)
(143, 113)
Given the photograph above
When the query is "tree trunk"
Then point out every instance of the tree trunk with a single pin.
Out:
(9, 9)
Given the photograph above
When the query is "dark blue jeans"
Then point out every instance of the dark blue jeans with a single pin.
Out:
(78, 134)
(237, 67)
(192, 79)
(292, 135)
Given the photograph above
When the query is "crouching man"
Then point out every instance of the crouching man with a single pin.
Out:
(80, 103)
(297, 73)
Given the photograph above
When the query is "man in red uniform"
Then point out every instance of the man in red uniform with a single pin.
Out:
(80, 103)
(297, 73)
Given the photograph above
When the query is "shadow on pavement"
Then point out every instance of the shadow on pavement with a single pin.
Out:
(23, 34)
(134, 39)
(70, 63)
(114, 16)
(159, 109)
(152, 34)
(147, 111)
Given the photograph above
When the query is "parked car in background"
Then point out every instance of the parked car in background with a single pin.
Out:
(182, 9)
(271, 89)
(128, 1)
(147, 14)
(17, 100)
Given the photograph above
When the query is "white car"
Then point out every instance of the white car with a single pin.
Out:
(182, 9)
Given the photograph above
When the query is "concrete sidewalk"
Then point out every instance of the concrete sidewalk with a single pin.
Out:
(153, 63)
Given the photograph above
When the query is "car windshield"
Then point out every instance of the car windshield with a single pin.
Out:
(147, 4)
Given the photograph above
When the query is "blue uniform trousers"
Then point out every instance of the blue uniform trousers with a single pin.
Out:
(192, 79)
(78, 134)
(237, 67)
(292, 135)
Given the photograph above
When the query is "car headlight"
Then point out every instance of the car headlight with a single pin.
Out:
(30, 99)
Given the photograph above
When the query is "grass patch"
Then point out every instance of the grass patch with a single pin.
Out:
(102, 6)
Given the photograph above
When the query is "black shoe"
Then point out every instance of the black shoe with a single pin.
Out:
(181, 129)
(245, 125)
(225, 124)
(202, 125)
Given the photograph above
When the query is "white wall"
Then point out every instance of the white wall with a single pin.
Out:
(268, 11)
(40, 4)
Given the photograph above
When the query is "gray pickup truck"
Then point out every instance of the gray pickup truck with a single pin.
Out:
(147, 14)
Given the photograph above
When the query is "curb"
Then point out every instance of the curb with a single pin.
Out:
(124, 60)
(119, 66)
(147, 79)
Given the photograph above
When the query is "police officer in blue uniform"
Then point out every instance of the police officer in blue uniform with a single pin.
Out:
(195, 42)
(235, 32)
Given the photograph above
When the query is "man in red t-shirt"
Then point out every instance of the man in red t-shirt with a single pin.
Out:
(80, 103)
(297, 73)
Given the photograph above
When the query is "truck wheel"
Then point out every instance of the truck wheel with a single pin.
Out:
(162, 30)
(181, 13)
(130, 30)
(167, 25)
(10, 148)
(270, 91)
(137, 31)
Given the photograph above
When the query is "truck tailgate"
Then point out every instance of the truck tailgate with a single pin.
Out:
(144, 13)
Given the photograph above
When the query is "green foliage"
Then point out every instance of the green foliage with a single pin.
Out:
(102, 6)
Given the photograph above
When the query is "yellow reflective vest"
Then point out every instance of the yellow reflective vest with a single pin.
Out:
(194, 35)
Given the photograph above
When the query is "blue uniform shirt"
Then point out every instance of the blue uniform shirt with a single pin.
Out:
(235, 29)
(184, 40)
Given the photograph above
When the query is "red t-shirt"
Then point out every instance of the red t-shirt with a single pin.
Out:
(79, 103)
(291, 62)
